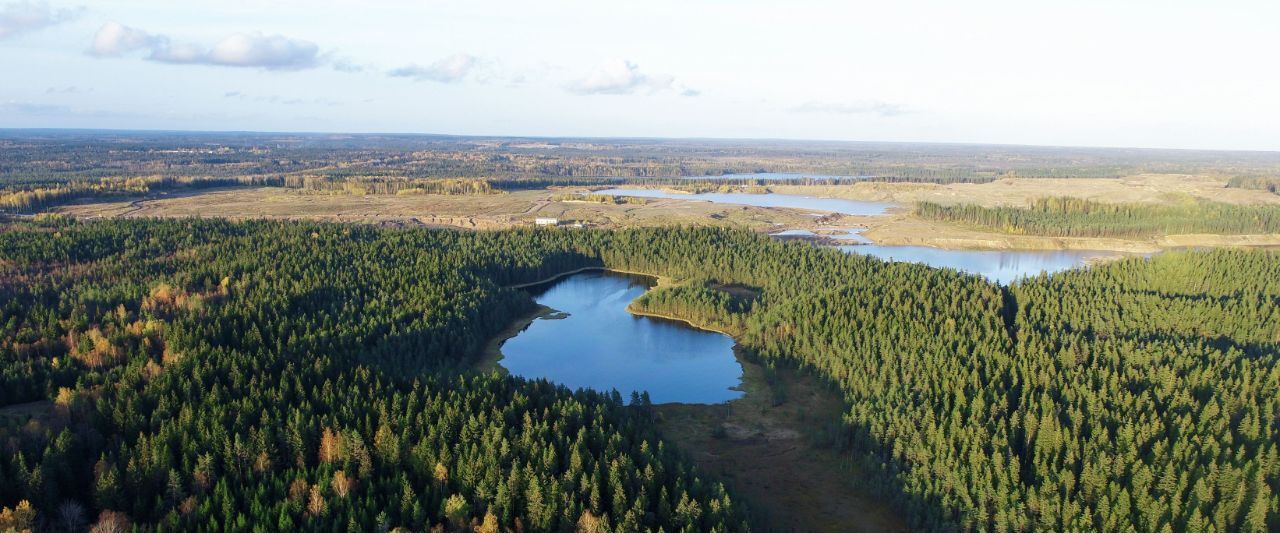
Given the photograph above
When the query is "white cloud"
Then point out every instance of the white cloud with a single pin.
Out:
(883, 109)
(448, 70)
(620, 76)
(253, 49)
(26, 16)
(114, 39)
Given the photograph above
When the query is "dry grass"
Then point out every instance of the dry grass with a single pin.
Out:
(763, 453)
(475, 212)
(899, 228)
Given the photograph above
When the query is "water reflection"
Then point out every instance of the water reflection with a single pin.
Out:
(1000, 266)
(600, 345)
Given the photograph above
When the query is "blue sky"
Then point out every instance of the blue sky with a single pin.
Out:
(1174, 73)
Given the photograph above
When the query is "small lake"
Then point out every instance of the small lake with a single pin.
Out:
(593, 342)
(1000, 266)
(826, 205)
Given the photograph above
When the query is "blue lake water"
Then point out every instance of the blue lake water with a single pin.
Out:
(1000, 266)
(599, 345)
(826, 205)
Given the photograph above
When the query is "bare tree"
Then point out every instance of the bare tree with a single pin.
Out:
(71, 516)
(111, 522)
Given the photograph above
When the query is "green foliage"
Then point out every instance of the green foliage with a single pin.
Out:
(1075, 217)
(306, 375)
(1142, 393)
(310, 376)
(597, 198)
(699, 303)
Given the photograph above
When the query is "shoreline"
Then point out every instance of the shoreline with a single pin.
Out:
(489, 356)
(755, 441)
(690, 323)
(661, 280)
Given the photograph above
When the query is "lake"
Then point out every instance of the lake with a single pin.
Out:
(593, 342)
(826, 205)
(1000, 266)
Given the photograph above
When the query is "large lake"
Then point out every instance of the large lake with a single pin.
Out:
(599, 345)
(826, 205)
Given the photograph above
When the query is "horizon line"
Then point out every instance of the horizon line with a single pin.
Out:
(622, 138)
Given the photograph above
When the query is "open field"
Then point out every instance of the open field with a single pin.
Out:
(492, 211)
(899, 227)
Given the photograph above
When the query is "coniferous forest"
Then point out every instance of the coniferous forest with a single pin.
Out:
(200, 374)
(1077, 217)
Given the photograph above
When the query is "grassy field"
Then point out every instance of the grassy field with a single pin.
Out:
(902, 228)
(466, 211)
(898, 228)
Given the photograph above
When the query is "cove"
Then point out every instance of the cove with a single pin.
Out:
(826, 205)
(591, 341)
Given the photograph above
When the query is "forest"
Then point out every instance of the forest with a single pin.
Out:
(281, 375)
(50, 158)
(1077, 217)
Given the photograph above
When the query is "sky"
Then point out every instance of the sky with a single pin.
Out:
(1140, 73)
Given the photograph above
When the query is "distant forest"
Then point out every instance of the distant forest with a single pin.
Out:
(52, 157)
(280, 375)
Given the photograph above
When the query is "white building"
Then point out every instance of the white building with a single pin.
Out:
(546, 221)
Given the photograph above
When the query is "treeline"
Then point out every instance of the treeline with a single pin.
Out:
(25, 199)
(1076, 217)
(1262, 183)
(700, 301)
(222, 375)
(361, 185)
(597, 198)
